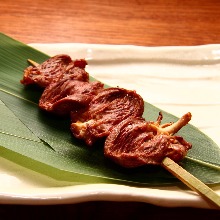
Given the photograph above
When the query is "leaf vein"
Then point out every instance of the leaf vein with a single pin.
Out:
(17, 136)
(214, 166)
(10, 93)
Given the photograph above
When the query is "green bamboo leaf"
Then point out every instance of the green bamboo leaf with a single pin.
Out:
(43, 142)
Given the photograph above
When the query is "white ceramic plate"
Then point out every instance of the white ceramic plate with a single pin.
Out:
(176, 79)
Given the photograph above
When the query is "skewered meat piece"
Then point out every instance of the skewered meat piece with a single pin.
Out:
(135, 142)
(97, 113)
(54, 69)
(68, 95)
(107, 109)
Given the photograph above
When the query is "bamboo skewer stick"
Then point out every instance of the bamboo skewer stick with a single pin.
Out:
(33, 63)
(191, 181)
(188, 179)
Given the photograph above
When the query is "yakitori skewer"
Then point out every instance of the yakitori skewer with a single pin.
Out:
(188, 179)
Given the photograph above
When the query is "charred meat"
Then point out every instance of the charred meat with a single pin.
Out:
(53, 70)
(106, 110)
(135, 142)
(111, 114)
(68, 95)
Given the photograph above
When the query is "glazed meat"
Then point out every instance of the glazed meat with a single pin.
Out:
(135, 142)
(106, 110)
(112, 114)
(68, 95)
(54, 69)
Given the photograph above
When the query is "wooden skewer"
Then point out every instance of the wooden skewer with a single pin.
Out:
(33, 63)
(184, 176)
(191, 181)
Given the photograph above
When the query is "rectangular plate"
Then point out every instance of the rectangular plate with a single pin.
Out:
(162, 70)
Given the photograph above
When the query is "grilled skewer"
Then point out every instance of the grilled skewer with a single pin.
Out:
(188, 179)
